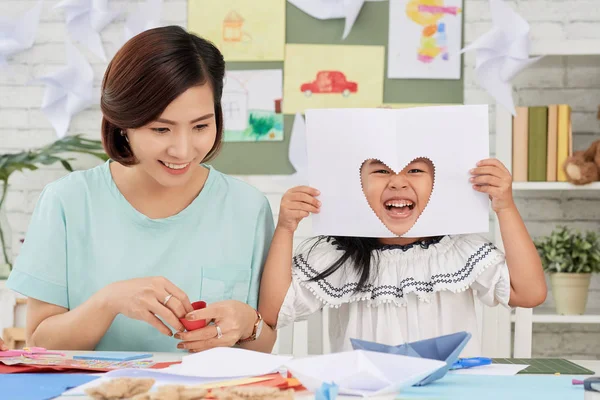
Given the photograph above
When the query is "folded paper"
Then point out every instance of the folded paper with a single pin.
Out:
(362, 373)
(502, 53)
(452, 138)
(18, 34)
(68, 91)
(332, 9)
(445, 348)
(85, 20)
(145, 16)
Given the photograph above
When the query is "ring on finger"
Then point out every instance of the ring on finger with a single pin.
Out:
(166, 300)
(219, 333)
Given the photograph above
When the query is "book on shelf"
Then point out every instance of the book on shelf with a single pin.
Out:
(542, 140)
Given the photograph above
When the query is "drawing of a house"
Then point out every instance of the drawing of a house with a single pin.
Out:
(235, 105)
(232, 27)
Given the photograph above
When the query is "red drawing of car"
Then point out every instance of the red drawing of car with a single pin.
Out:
(329, 82)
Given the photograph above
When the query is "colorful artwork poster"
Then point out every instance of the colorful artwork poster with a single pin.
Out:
(243, 30)
(425, 39)
(330, 76)
(251, 105)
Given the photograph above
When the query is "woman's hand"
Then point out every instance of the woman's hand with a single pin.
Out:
(492, 177)
(146, 299)
(235, 320)
(296, 204)
(3, 347)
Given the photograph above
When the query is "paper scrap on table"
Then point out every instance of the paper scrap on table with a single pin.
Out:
(332, 9)
(18, 33)
(145, 16)
(396, 137)
(502, 53)
(85, 20)
(328, 76)
(68, 90)
(491, 369)
(242, 30)
(362, 373)
(425, 39)
(251, 105)
(28, 386)
(226, 362)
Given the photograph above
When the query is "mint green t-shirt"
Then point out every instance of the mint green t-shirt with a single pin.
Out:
(84, 235)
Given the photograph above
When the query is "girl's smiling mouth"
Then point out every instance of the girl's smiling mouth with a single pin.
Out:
(399, 208)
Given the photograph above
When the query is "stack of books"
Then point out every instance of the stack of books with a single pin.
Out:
(542, 140)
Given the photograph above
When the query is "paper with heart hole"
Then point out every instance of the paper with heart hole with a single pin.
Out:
(453, 138)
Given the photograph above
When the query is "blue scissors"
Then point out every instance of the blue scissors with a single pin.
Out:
(463, 363)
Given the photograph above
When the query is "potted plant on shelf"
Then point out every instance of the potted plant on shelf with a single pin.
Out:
(570, 258)
(31, 159)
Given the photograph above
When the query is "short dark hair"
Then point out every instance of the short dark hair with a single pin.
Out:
(150, 71)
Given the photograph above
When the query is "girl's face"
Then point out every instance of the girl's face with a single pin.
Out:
(170, 149)
(398, 199)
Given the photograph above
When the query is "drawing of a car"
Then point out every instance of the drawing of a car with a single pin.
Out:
(329, 82)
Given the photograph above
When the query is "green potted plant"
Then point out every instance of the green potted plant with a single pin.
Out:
(570, 258)
(31, 159)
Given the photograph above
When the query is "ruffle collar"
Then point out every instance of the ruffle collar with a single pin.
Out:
(449, 263)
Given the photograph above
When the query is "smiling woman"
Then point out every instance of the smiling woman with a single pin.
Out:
(115, 255)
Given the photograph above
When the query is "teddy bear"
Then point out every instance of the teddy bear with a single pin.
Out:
(584, 166)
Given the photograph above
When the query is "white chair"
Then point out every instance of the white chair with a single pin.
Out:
(312, 336)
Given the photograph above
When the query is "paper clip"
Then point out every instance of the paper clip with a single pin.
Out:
(463, 363)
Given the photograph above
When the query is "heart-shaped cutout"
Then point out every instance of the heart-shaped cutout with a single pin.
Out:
(398, 198)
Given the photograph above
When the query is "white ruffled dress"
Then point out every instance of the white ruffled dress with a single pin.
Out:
(419, 291)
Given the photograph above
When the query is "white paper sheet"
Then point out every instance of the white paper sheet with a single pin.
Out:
(85, 20)
(423, 44)
(68, 91)
(226, 362)
(362, 373)
(248, 93)
(454, 138)
(502, 53)
(491, 369)
(145, 16)
(18, 34)
(332, 9)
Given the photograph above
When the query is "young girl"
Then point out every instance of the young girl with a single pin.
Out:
(114, 254)
(398, 290)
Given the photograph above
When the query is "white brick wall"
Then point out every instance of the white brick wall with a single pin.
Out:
(574, 80)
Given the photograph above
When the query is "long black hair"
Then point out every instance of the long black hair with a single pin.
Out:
(363, 254)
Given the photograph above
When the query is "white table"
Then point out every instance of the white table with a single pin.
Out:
(593, 365)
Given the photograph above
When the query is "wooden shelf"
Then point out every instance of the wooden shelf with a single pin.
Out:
(567, 47)
(554, 186)
(563, 319)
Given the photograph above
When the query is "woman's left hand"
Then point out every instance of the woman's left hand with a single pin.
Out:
(235, 321)
(492, 177)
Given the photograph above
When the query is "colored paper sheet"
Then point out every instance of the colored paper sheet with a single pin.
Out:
(243, 30)
(330, 76)
(39, 386)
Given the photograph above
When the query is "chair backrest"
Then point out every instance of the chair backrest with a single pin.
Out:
(305, 337)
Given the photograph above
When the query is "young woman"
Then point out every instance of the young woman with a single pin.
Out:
(114, 254)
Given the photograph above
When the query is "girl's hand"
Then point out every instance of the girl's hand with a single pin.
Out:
(296, 204)
(492, 177)
(146, 298)
(3, 347)
(235, 320)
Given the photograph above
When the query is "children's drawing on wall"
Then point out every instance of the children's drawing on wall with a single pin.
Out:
(329, 82)
(252, 106)
(424, 39)
(329, 76)
(233, 28)
(243, 30)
